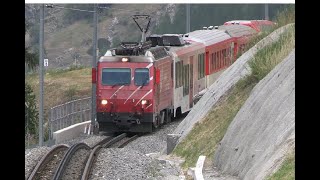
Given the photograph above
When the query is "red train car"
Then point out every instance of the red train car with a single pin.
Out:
(241, 35)
(258, 25)
(141, 86)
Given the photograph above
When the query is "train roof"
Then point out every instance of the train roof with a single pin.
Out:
(208, 37)
(237, 22)
(256, 24)
(189, 46)
(150, 55)
(238, 30)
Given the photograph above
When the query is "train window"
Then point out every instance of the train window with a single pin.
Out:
(116, 76)
(141, 76)
(214, 61)
(229, 55)
(185, 79)
(221, 59)
(218, 60)
(200, 66)
(224, 52)
(178, 74)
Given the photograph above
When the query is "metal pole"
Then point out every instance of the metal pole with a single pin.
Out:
(188, 18)
(94, 63)
(41, 75)
(266, 12)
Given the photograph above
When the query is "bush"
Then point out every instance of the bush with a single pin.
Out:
(31, 113)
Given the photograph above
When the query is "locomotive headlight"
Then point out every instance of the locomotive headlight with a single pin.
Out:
(104, 102)
(143, 102)
(124, 59)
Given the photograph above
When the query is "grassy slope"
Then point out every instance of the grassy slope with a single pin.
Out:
(61, 86)
(204, 137)
(287, 170)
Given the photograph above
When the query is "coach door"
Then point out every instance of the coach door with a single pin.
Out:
(191, 82)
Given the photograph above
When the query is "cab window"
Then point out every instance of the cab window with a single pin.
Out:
(141, 76)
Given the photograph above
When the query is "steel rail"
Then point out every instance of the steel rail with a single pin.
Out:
(129, 140)
(66, 158)
(96, 148)
(45, 159)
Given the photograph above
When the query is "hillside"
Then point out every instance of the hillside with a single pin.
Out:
(71, 44)
(68, 33)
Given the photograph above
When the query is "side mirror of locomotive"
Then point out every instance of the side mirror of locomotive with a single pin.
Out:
(157, 76)
(94, 75)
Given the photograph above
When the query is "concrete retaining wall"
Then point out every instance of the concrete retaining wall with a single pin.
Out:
(263, 130)
(70, 132)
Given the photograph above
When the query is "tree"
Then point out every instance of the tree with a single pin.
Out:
(103, 46)
(31, 59)
(31, 113)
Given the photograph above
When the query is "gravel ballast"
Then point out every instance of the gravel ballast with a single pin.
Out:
(32, 157)
(131, 162)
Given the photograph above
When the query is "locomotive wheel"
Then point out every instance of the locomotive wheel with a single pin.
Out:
(156, 122)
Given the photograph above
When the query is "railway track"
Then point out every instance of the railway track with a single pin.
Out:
(119, 142)
(49, 162)
(75, 162)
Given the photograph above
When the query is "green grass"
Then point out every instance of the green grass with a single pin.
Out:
(287, 169)
(60, 85)
(205, 136)
(267, 58)
(207, 133)
(286, 16)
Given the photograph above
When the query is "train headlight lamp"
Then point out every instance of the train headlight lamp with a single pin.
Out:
(104, 102)
(144, 102)
(125, 59)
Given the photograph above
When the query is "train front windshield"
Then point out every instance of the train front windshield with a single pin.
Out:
(116, 76)
(141, 76)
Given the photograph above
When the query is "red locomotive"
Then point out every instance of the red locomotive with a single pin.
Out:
(141, 86)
